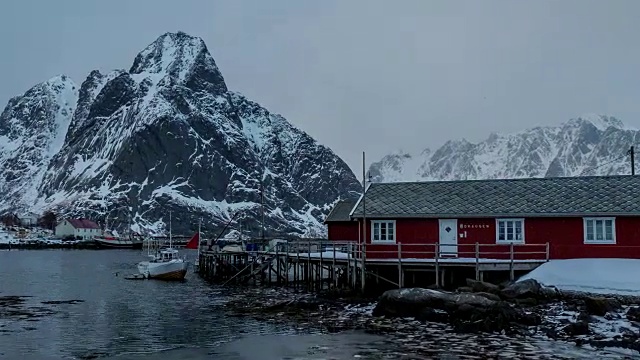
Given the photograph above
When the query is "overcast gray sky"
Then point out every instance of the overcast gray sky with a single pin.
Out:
(362, 75)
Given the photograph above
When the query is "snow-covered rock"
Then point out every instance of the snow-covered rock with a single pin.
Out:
(167, 135)
(587, 145)
(599, 276)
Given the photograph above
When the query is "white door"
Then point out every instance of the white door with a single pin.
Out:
(448, 237)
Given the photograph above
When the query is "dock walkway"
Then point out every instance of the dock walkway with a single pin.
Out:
(319, 265)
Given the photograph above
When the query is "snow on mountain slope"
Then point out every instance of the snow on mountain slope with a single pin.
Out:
(33, 127)
(167, 135)
(587, 145)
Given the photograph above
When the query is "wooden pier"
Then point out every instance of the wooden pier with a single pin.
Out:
(321, 265)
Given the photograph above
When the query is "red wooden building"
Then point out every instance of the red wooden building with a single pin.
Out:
(557, 218)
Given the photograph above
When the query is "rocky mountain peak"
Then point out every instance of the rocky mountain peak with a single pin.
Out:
(33, 127)
(165, 136)
(183, 58)
(601, 122)
(39, 106)
(586, 145)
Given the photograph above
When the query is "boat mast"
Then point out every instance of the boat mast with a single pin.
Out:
(170, 247)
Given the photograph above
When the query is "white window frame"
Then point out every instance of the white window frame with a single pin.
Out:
(602, 219)
(373, 232)
(506, 241)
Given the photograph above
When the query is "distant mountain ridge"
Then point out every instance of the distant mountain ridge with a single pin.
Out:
(586, 145)
(167, 135)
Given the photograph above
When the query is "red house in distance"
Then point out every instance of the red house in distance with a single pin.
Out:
(538, 218)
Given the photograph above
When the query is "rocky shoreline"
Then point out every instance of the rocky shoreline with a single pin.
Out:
(517, 314)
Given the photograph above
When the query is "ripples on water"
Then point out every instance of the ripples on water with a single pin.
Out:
(121, 319)
(117, 315)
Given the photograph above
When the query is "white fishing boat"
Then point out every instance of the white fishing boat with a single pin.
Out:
(165, 264)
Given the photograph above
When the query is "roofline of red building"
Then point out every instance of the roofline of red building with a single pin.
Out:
(471, 216)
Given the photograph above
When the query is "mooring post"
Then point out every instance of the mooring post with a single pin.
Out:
(334, 275)
(279, 281)
(477, 262)
(309, 267)
(321, 270)
(296, 269)
(399, 265)
(253, 275)
(511, 271)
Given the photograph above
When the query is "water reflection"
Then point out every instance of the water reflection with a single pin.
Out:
(117, 316)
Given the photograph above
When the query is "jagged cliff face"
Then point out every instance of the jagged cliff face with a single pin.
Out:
(588, 145)
(168, 135)
(32, 130)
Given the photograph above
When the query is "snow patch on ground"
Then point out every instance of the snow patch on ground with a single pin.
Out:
(7, 238)
(599, 276)
(612, 326)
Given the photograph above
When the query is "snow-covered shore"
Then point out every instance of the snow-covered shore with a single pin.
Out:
(596, 276)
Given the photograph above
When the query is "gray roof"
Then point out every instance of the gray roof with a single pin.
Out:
(560, 196)
(341, 210)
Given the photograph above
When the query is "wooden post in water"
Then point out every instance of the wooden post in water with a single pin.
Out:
(309, 267)
(286, 265)
(334, 275)
(296, 269)
(320, 266)
(279, 279)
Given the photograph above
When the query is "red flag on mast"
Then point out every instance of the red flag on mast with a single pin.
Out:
(194, 243)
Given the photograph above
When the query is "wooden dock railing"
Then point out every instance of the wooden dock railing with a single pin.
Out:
(315, 262)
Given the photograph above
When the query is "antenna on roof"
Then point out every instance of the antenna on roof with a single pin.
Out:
(364, 199)
(633, 162)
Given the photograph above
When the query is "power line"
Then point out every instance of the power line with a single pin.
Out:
(605, 164)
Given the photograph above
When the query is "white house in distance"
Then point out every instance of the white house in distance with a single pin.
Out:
(28, 219)
(84, 228)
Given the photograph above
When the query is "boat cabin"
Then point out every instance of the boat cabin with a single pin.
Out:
(165, 255)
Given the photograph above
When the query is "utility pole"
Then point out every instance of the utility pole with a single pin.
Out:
(363, 247)
(364, 200)
(633, 162)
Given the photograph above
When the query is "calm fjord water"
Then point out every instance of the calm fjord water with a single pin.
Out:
(146, 320)
(117, 316)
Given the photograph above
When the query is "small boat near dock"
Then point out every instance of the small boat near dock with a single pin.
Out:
(165, 263)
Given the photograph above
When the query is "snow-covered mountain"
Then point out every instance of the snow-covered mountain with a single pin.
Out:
(165, 136)
(587, 145)
(33, 127)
